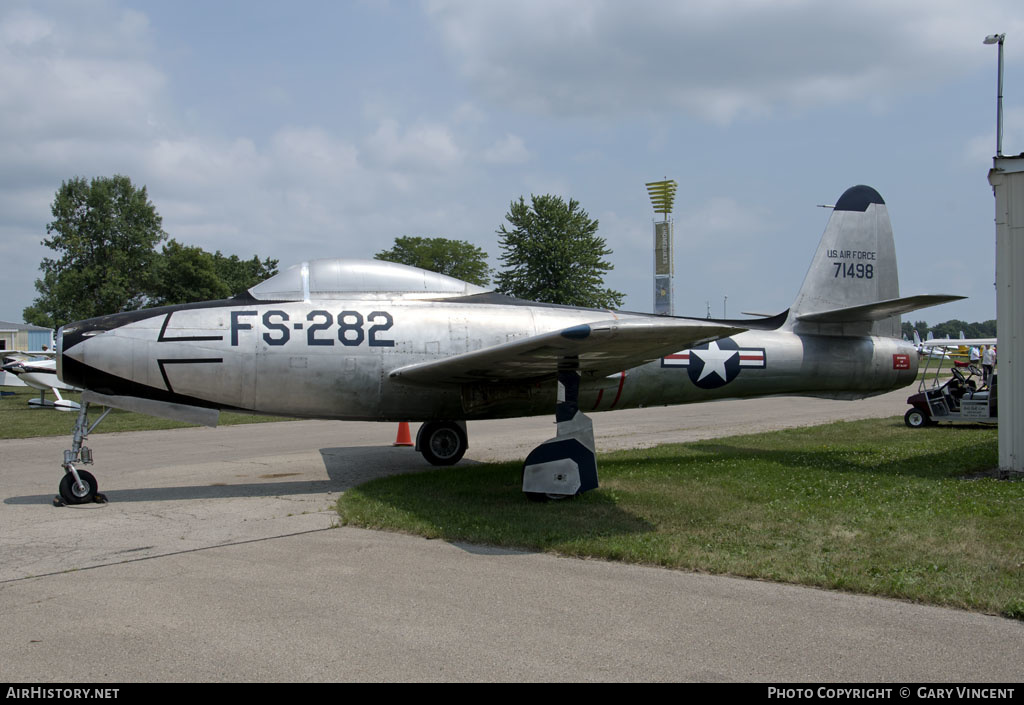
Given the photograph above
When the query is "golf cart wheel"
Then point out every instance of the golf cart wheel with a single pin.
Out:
(915, 418)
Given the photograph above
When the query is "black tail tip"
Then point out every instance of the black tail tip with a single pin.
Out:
(858, 198)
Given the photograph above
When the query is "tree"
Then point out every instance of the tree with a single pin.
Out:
(104, 232)
(952, 328)
(553, 254)
(241, 274)
(456, 258)
(185, 274)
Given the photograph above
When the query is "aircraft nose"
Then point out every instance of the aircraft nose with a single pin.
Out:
(74, 334)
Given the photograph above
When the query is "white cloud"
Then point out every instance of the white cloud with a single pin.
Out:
(719, 61)
(65, 78)
(980, 149)
(93, 90)
(510, 149)
(423, 147)
(24, 27)
(80, 95)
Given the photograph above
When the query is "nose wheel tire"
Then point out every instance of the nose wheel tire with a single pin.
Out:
(83, 493)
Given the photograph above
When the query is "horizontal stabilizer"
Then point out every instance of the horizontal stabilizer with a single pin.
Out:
(597, 349)
(163, 409)
(878, 310)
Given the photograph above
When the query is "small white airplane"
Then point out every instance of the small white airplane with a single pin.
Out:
(958, 342)
(38, 369)
(957, 350)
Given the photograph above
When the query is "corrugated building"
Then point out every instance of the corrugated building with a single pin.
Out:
(22, 336)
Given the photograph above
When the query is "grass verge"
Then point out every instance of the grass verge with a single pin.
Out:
(19, 420)
(869, 506)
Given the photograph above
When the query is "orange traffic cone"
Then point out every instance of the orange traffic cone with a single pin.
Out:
(404, 439)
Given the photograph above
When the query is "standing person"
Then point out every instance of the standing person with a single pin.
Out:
(988, 362)
(975, 355)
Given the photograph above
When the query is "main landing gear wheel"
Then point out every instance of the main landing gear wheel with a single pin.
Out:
(915, 418)
(74, 493)
(442, 442)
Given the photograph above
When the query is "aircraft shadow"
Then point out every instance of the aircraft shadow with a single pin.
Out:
(345, 468)
(473, 506)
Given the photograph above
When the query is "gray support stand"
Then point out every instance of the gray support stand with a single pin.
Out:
(565, 465)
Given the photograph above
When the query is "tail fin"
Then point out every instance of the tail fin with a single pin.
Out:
(855, 266)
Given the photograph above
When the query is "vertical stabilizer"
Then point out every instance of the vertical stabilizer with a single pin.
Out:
(855, 263)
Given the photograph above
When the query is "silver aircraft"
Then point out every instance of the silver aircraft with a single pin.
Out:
(377, 341)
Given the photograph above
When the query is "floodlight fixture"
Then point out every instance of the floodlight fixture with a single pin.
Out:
(662, 194)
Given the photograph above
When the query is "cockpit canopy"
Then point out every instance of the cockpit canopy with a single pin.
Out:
(356, 278)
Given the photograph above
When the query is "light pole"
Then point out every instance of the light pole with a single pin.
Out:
(662, 195)
(998, 39)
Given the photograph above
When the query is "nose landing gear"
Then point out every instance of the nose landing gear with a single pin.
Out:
(80, 486)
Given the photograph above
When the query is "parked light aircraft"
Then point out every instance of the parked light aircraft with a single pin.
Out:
(955, 349)
(373, 340)
(38, 369)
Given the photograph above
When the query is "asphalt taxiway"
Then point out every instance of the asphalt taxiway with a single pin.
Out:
(216, 559)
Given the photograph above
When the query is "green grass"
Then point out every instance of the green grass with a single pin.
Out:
(869, 507)
(19, 420)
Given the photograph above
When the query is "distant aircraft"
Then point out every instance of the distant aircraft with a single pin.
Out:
(38, 369)
(958, 342)
(374, 340)
(956, 350)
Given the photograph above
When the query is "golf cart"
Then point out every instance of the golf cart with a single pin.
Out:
(962, 398)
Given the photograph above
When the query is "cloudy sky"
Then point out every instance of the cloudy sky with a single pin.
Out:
(321, 129)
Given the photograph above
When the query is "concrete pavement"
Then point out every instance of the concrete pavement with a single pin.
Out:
(215, 560)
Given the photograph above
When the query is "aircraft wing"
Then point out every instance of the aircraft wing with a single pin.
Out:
(597, 349)
(957, 342)
(26, 354)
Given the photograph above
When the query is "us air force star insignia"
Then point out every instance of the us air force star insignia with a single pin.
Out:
(714, 359)
(717, 363)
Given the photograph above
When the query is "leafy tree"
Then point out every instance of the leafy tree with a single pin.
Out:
(241, 274)
(184, 274)
(456, 258)
(552, 253)
(103, 232)
(952, 328)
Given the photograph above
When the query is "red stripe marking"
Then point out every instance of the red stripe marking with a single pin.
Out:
(600, 393)
(622, 381)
